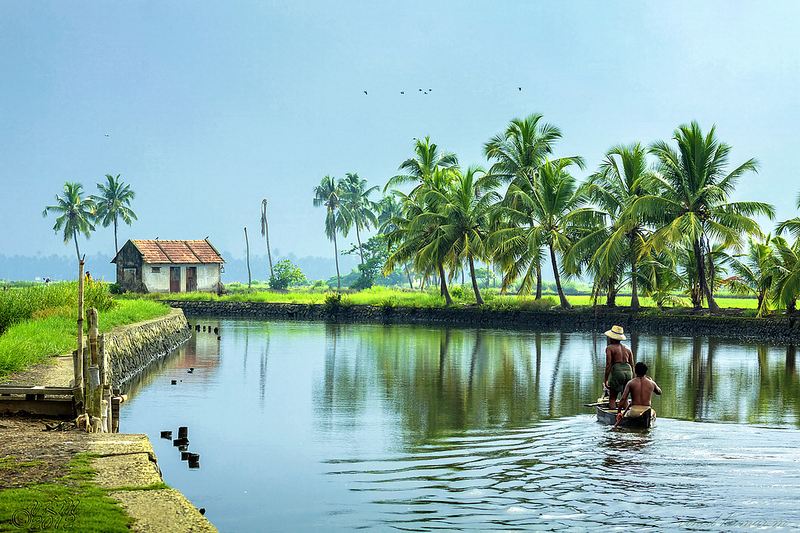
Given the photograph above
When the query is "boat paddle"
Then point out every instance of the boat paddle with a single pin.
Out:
(620, 416)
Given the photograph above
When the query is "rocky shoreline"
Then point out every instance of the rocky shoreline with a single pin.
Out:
(780, 329)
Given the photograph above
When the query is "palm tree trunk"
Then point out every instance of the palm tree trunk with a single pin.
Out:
(247, 247)
(75, 238)
(408, 275)
(561, 297)
(611, 297)
(269, 252)
(336, 256)
(443, 285)
(634, 286)
(475, 289)
(360, 248)
(701, 274)
(539, 282)
(116, 246)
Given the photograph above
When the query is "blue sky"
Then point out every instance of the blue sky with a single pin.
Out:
(211, 106)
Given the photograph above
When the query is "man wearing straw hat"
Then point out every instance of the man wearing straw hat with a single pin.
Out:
(619, 365)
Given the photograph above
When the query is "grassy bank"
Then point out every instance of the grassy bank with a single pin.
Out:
(383, 296)
(71, 503)
(40, 321)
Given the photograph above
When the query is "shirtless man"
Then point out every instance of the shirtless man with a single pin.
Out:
(619, 364)
(640, 388)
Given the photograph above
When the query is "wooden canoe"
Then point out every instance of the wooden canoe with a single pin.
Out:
(638, 417)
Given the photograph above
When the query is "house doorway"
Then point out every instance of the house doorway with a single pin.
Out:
(174, 279)
(191, 279)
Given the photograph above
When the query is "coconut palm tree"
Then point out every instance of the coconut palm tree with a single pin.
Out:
(265, 233)
(328, 194)
(114, 203)
(693, 203)
(792, 225)
(545, 212)
(420, 237)
(358, 210)
(427, 158)
(75, 214)
(754, 272)
(517, 154)
(623, 178)
(464, 217)
(786, 287)
(390, 214)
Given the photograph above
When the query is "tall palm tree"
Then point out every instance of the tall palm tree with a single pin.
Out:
(328, 194)
(75, 214)
(265, 233)
(427, 158)
(390, 215)
(517, 154)
(754, 272)
(420, 237)
(358, 210)
(545, 212)
(694, 201)
(623, 178)
(464, 217)
(114, 203)
(786, 288)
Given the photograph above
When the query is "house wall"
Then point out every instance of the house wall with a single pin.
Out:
(129, 268)
(208, 277)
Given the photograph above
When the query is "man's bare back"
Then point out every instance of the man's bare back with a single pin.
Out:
(641, 389)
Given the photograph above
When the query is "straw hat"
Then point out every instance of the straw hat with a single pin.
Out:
(616, 332)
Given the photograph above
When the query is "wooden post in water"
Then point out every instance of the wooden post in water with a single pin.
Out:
(77, 357)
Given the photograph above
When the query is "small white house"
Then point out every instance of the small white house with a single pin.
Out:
(168, 266)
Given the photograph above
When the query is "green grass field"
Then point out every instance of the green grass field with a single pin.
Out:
(396, 297)
(41, 321)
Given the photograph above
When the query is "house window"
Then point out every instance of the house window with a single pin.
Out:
(155, 270)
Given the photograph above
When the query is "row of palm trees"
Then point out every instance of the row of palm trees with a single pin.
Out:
(655, 219)
(77, 213)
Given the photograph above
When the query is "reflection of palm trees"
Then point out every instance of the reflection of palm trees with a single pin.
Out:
(561, 339)
(472, 362)
(262, 374)
(791, 354)
(697, 379)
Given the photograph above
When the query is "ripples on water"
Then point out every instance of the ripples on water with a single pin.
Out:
(574, 473)
(308, 426)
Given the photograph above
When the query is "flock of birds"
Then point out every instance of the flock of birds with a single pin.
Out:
(430, 91)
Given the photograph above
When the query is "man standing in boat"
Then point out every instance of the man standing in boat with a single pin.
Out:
(641, 389)
(619, 364)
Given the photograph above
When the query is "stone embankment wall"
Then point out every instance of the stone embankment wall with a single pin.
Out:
(771, 329)
(133, 348)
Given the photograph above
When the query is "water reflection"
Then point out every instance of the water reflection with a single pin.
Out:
(440, 380)
(311, 426)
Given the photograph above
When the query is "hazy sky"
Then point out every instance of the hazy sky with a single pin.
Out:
(211, 106)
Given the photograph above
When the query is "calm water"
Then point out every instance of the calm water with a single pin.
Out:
(305, 426)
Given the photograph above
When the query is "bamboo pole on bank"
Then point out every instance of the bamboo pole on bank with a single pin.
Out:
(77, 357)
(94, 390)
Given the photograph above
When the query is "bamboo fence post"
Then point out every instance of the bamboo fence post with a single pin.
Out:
(95, 389)
(77, 357)
(105, 383)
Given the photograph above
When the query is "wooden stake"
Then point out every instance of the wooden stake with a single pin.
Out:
(77, 357)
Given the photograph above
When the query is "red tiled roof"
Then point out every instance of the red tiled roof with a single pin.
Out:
(176, 252)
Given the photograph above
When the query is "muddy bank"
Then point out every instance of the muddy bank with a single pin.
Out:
(730, 324)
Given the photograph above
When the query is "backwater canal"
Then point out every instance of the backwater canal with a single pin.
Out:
(312, 426)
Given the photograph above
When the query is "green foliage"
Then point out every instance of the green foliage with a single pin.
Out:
(52, 331)
(114, 204)
(287, 274)
(17, 304)
(75, 214)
